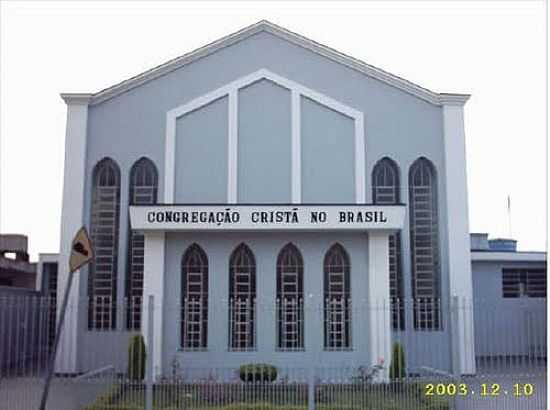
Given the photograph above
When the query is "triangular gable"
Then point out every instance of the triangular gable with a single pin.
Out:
(266, 26)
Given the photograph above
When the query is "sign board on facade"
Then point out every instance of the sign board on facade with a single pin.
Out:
(266, 217)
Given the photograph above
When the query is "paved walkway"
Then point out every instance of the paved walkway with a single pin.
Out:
(65, 394)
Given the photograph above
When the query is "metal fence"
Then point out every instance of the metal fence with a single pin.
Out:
(309, 371)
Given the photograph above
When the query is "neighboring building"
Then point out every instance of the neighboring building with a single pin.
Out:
(27, 321)
(509, 298)
(257, 189)
(15, 268)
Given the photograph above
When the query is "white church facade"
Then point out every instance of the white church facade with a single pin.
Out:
(278, 202)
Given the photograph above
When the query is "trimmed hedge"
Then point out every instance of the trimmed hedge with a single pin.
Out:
(397, 366)
(259, 372)
(136, 358)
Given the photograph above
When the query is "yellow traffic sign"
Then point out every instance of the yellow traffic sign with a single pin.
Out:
(81, 250)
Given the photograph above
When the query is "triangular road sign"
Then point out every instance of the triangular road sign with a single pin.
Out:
(81, 250)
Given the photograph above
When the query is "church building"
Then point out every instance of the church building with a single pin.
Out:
(266, 199)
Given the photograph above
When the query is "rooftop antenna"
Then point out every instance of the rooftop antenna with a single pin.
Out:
(509, 210)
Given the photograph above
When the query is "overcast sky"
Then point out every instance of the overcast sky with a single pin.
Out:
(493, 50)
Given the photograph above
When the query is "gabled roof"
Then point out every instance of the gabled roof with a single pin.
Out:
(266, 26)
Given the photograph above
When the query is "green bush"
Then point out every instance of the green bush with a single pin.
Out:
(260, 372)
(136, 358)
(397, 366)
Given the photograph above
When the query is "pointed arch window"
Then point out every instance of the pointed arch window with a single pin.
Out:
(290, 299)
(424, 227)
(242, 299)
(104, 229)
(143, 191)
(194, 302)
(337, 297)
(385, 191)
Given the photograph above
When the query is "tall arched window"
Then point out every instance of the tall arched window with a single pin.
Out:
(385, 191)
(337, 295)
(143, 191)
(424, 226)
(290, 299)
(194, 302)
(242, 299)
(102, 279)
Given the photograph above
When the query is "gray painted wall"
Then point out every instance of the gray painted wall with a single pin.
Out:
(328, 152)
(265, 248)
(264, 149)
(506, 325)
(132, 125)
(201, 155)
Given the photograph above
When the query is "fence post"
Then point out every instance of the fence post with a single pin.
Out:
(455, 336)
(149, 356)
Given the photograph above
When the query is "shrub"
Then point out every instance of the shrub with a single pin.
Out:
(397, 366)
(136, 358)
(257, 372)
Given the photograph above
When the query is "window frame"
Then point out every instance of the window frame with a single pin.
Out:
(106, 175)
(242, 253)
(423, 205)
(290, 263)
(343, 302)
(201, 268)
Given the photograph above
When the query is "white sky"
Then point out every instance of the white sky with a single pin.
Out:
(493, 50)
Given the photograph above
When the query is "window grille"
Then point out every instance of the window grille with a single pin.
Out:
(143, 191)
(424, 225)
(194, 304)
(104, 221)
(290, 298)
(242, 299)
(385, 191)
(528, 283)
(337, 296)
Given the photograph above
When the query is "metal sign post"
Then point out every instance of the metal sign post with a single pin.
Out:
(81, 254)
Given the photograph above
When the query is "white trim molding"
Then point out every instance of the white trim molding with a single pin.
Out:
(488, 256)
(297, 92)
(72, 218)
(294, 38)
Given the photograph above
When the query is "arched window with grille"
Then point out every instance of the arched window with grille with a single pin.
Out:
(385, 191)
(142, 191)
(290, 299)
(104, 228)
(242, 299)
(194, 299)
(424, 227)
(337, 297)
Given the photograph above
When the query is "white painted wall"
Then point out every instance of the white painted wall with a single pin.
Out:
(459, 258)
(72, 218)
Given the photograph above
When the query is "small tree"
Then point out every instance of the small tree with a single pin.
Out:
(136, 358)
(397, 366)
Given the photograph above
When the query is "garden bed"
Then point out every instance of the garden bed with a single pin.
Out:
(241, 396)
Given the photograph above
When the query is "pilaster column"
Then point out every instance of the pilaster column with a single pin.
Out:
(378, 300)
(458, 236)
(72, 218)
(153, 285)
